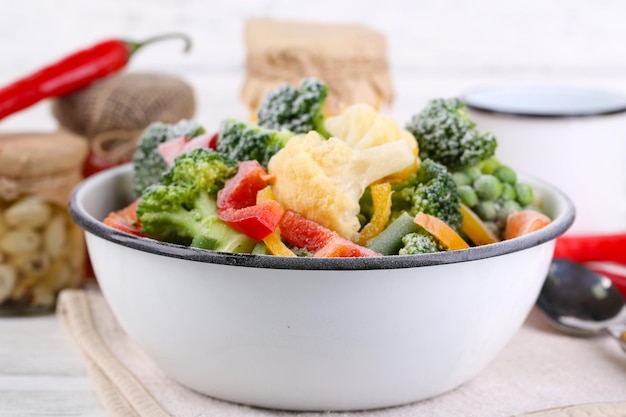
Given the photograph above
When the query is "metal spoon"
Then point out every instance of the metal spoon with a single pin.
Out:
(581, 302)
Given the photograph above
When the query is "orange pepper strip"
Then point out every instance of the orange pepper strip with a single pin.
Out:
(273, 241)
(475, 229)
(253, 116)
(441, 231)
(381, 201)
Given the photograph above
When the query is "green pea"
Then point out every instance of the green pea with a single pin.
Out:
(493, 226)
(473, 172)
(508, 192)
(525, 194)
(489, 165)
(468, 195)
(507, 207)
(488, 187)
(487, 210)
(460, 178)
(506, 174)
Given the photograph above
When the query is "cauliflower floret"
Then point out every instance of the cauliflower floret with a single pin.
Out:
(361, 127)
(323, 179)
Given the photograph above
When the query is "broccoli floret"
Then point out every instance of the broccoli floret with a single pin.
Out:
(148, 163)
(182, 208)
(416, 243)
(446, 135)
(201, 167)
(297, 110)
(431, 190)
(241, 141)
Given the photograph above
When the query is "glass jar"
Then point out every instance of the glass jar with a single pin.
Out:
(42, 250)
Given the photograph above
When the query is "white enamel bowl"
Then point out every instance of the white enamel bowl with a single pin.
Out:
(315, 334)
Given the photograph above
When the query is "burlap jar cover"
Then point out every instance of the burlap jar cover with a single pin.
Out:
(42, 164)
(41, 249)
(112, 112)
(350, 58)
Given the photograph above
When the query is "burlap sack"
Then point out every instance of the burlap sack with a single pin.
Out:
(350, 58)
(112, 112)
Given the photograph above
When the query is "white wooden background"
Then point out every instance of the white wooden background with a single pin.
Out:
(436, 48)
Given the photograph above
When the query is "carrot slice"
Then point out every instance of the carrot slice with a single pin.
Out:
(475, 229)
(381, 201)
(522, 222)
(441, 231)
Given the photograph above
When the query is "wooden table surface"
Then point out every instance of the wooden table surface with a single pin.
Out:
(41, 372)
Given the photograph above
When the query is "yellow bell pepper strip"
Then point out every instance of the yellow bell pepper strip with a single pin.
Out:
(475, 229)
(273, 242)
(381, 201)
(441, 231)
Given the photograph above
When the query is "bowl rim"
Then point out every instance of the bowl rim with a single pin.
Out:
(95, 227)
(537, 100)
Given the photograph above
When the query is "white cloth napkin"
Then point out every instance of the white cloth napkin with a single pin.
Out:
(540, 373)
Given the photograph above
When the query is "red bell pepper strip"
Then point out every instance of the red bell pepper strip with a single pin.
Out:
(170, 149)
(241, 190)
(304, 233)
(339, 247)
(592, 248)
(257, 221)
(125, 219)
(73, 72)
(323, 242)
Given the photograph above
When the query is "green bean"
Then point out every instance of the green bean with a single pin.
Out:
(389, 241)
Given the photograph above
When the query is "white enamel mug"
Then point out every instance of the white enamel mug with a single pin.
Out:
(573, 137)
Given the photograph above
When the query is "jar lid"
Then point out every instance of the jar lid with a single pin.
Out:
(38, 154)
(545, 100)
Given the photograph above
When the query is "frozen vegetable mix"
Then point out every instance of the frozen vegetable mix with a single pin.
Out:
(296, 182)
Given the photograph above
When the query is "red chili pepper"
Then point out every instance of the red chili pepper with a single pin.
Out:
(594, 248)
(73, 72)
